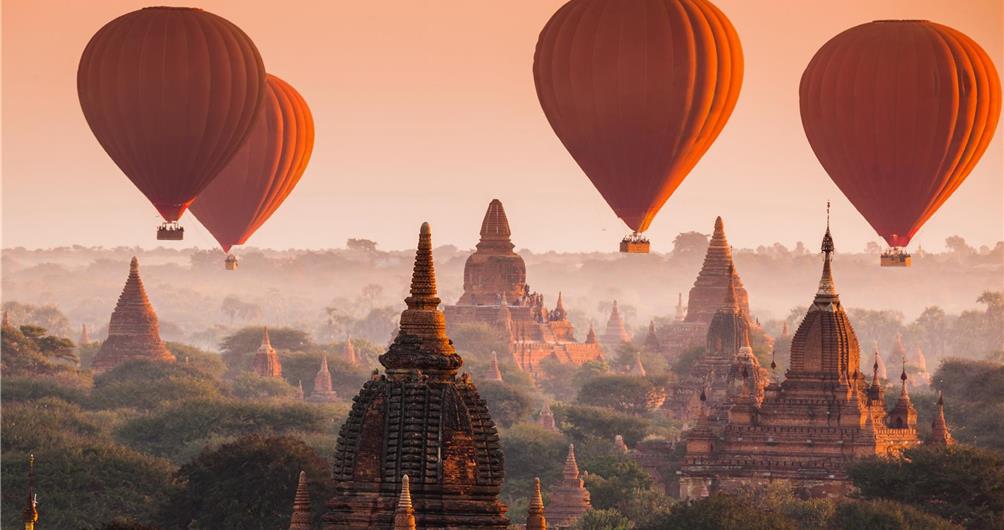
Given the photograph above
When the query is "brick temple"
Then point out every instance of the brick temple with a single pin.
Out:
(266, 360)
(323, 392)
(496, 294)
(569, 499)
(809, 427)
(422, 420)
(133, 332)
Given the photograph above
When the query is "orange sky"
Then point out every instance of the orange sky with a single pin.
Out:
(426, 110)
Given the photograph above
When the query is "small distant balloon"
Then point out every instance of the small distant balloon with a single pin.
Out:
(170, 93)
(264, 170)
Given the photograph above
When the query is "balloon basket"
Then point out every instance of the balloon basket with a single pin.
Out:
(635, 244)
(231, 262)
(895, 257)
(170, 232)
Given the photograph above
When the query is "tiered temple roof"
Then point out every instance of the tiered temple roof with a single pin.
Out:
(323, 390)
(535, 519)
(266, 360)
(301, 519)
(570, 498)
(709, 289)
(940, 434)
(133, 332)
(496, 294)
(419, 419)
(809, 427)
(616, 333)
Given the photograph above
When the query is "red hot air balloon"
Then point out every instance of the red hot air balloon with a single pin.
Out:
(262, 173)
(898, 112)
(170, 93)
(637, 91)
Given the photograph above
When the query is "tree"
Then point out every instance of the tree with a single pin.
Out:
(885, 515)
(602, 520)
(46, 317)
(530, 451)
(479, 339)
(690, 244)
(623, 393)
(30, 350)
(255, 387)
(148, 385)
(507, 405)
(974, 400)
(361, 245)
(960, 483)
(722, 512)
(249, 484)
(582, 423)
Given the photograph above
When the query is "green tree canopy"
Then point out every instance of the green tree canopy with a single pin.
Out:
(582, 422)
(508, 405)
(623, 393)
(147, 385)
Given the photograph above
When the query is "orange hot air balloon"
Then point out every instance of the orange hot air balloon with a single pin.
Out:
(637, 91)
(263, 172)
(170, 93)
(898, 112)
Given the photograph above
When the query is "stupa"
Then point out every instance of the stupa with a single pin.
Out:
(615, 333)
(652, 343)
(301, 519)
(809, 427)
(323, 392)
(85, 338)
(404, 514)
(494, 374)
(940, 434)
(546, 418)
(419, 419)
(133, 332)
(349, 353)
(570, 498)
(266, 360)
(496, 294)
(535, 519)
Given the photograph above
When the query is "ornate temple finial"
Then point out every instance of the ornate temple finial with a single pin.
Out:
(495, 226)
(902, 377)
(494, 373)
(422, 344)
(827, 293)
(571, 469)
(30, 513)
(404, 514)
(134, 265)
(875, 367)
(301, 519)
(940, 435)
(719, 227)
(535, 519)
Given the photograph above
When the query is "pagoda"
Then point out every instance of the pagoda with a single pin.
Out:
(652, 344)
(939, 428)
(616, 333)
(421, 420)
(301, 519)
(706, 296)
(810, 426)
(535, 519)
(570, 498)
(349, 353)
(404, 514)
(546, 419)
(133, 332)
(323, 391)
(494, 374)
(266, 360)
(496, 294)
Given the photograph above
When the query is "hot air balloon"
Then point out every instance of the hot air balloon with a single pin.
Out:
(170, 93)
(262, 173)
(637, 90)
(898, 113)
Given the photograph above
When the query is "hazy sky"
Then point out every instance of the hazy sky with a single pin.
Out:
(425, 110)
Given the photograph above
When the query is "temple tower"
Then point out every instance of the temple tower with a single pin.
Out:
(535, 519)
(349, 353)
(301, 519)
(883, 373)
(419, 419)
(266, 360)
(637, 369)
(591, 334)
(570, 499)
(494, 270)
(709, 288)
(681, 311)
(323, 391)
(494, 374)
(546, 419)
(652, 344)
(903, 415)
(940, 434)
(133, 332)
(615, 333)
(404, 513)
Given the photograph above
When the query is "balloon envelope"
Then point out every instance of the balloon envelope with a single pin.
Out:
(170, 93)
(263, 172)
(898, 112)
(637, 91)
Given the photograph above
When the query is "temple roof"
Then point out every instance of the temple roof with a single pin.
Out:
(615, 333)
(495, 226)
(535, 519)
(266, 361)
(940, 434)
(301, 519)
(709, 287)
(494, 271)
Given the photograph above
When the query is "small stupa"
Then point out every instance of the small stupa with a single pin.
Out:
(349, 353)
(85, 339)
(546, 418)
(570, 499)
(133, 332)
(301, 506)
(494, 374)
(404, 514)
(323, 391)
(652, 344)
(615, 333)
(266, 360)
(620, 445)
(940, 434)
(535, 519)
(637, 369)
(681, 310)
(591, 335)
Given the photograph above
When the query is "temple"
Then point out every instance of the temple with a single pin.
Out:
(570, 498)
(496, 294)
(323, 391)
(652, 343)
(939, 428)
(133, 332)
(546, 419)
(535, 519)
(301, 519)
(349, 353)
(421, 420)
(718, 372)
(615, 334)
(494, 374)
(705, 297)
(266, 360)
(809, 427)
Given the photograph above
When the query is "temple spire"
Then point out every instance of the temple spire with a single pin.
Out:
(826, 297)
(495, 226)
(404, 514)
(638, 369)
(652, 339)
(349, 352)
(266, 360)
(731, 300)
(591, 335)
(940, 434)
(681, 313)
(30, 513)
(301, 519)
(571, 469)
(535, 519)
(84, 337)
(494, 374)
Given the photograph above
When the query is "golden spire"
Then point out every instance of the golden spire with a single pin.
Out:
(30, 513)
(404, 514)
(939, 428)
(826, 296)
(535, 519)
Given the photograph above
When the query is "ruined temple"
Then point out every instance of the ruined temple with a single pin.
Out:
(569, 499)
(133, 332)
(718, 372)
(419, 419)
(706, 296)
(266, 360)
(496, 294)
(301, 519)
(810, 426)
(323, 392)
